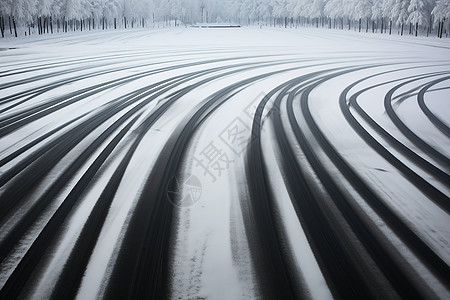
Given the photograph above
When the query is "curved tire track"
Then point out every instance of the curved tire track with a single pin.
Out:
(118, 126)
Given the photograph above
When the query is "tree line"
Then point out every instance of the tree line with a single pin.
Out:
(26, 17)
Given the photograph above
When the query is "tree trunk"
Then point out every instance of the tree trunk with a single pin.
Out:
(51, 24)
(14, 24)
(410, 28)
(1, 27)
(390, 27)
(103, 21)
(125, 21)
(417, 27)
(10, 27)
(446, 34)
(381, 25)
(430, 27)
(115, 23)
(367, 25)
(359, 25)
(402, 30)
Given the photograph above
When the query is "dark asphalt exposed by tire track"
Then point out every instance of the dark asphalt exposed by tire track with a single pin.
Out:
(116, 129)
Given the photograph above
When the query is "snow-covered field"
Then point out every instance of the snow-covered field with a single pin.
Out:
(235, 163)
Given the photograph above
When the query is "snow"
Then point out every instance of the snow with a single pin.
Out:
(212, 258)
(403, 195)
(307, 267)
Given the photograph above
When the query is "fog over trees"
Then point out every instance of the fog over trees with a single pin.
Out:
(385, 16)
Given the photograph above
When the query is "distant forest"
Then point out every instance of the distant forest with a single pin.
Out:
(424, 17)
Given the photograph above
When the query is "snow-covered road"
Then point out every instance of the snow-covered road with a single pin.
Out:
(224, 164)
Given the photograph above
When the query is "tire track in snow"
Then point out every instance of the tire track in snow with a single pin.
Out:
(430, 115)
(411, 237)
(148, 272)
(336, 261)
(389, 267)
(141, 268)
(432, 192)
(423, 163)
(65, 143)
(444, 160)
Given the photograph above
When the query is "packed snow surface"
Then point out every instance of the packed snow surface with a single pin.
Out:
(212, 163)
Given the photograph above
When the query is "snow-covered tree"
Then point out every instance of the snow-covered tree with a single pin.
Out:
(442, 15)
(362, 10)
(279, 8)
(396, 13)
(249, 10)
(44, 7)
(442, 10)
(335, 9)
(401, 13)
(420, 11)
(377, 13)
(70, 9)
(315, 9)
